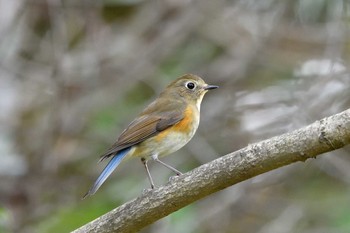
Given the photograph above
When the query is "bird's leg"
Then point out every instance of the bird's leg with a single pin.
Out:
(144, 161)
(177, 172)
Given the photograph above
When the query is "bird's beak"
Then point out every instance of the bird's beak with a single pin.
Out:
(210, 87)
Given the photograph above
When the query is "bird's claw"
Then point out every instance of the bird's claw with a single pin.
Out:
(146, 190)
(173, 178)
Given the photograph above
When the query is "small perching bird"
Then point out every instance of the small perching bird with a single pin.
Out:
(166, 125)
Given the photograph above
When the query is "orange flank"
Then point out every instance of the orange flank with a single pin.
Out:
(183, 126)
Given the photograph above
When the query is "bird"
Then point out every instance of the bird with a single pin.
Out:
(163, 127)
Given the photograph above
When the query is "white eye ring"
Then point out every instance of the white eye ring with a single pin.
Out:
(190, 85)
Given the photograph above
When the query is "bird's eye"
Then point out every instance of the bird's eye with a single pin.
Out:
(190, 85)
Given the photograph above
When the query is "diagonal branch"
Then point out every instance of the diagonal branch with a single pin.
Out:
(322, 136)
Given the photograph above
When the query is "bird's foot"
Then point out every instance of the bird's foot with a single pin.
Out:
(147, 190)
(173, 178)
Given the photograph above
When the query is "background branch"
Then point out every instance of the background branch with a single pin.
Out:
(322, 136)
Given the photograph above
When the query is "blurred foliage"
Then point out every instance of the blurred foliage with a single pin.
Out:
(67, 219)
(75, 73)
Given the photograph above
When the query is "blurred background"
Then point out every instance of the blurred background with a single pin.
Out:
(73, 74)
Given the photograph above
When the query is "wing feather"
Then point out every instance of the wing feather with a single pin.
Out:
(143, 128)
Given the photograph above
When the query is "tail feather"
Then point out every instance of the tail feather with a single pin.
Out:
(107, 171)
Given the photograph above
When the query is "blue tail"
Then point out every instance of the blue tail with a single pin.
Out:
(113, 163)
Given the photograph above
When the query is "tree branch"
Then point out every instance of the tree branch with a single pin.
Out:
(322, 136)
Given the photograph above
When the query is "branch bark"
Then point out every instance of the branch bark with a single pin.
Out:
(322, 136)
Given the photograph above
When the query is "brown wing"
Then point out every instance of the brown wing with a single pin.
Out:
(142, 128)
